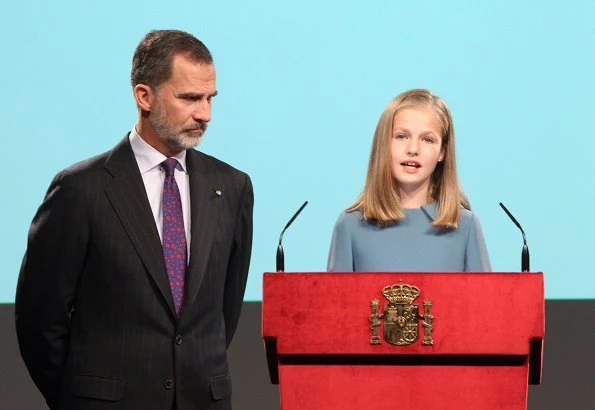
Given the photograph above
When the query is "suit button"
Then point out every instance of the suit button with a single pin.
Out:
(169, 384)
(179, 339)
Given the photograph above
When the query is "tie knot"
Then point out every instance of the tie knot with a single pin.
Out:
(169, 165)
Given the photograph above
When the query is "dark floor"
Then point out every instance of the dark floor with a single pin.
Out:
(568, 371)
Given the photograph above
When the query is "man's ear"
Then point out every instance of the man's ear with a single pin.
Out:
(144, 96)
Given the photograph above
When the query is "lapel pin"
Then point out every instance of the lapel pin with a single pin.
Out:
(217, 192)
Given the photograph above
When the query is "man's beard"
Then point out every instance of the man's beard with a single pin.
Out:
(180, 138)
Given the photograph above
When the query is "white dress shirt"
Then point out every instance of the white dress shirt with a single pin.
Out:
(149, 163)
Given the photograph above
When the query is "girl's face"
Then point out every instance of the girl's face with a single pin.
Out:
(416, 148)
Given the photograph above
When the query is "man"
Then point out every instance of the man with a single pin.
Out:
(132, 284)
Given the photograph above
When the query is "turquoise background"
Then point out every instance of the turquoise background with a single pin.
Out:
(301, 88)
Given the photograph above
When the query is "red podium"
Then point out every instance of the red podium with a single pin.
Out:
(403, 340)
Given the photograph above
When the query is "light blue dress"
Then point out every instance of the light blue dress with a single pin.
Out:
(411, 245)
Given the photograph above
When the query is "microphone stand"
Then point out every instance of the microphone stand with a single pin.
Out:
(280, 255)
(525, 252)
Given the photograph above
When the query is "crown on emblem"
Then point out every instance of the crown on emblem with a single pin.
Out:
(401, 293)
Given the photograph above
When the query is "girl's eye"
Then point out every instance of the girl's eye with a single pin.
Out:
(400, 136)
(429, 140)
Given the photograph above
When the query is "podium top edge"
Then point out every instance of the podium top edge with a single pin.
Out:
(400, 273)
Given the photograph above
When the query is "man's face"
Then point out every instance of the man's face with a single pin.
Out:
(181, 109)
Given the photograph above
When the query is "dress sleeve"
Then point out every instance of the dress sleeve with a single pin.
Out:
(476, 255)
(340, 258)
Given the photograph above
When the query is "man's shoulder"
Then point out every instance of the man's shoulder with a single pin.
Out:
(215, 164)
(85, 168)
(88, 164)
(96, 165)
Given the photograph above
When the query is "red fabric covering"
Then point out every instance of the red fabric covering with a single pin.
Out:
(402, 387)
(489, 314)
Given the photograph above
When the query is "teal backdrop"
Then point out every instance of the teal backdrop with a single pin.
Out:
(301, 87)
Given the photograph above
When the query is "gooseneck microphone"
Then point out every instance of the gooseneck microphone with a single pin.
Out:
(280, 255)
(525, 252)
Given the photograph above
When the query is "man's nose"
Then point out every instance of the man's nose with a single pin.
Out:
(202, 111)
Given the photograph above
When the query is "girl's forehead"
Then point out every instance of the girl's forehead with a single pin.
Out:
(421, 111)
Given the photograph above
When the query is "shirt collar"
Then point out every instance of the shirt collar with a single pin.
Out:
(431, 210)
(148, 157)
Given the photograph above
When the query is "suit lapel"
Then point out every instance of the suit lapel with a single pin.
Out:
(203, 203)
(127, 193)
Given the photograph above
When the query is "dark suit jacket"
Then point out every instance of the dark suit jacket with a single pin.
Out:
(95, 317)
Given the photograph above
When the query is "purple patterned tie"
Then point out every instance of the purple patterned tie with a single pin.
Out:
(174, 236)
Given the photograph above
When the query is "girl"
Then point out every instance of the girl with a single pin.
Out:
(412, 214)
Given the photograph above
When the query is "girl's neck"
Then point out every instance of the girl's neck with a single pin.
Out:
(414, 198)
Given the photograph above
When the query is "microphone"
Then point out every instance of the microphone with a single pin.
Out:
(525, 252)
(280, 256)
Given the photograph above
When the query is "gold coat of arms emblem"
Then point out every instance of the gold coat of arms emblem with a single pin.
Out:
(401, 317)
